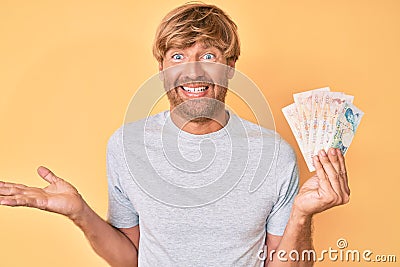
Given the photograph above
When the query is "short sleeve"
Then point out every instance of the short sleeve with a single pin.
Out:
(121, 213)
(287, 177)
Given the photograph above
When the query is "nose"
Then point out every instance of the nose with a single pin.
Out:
(193, 69)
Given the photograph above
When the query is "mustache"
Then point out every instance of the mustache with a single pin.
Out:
(199, 79)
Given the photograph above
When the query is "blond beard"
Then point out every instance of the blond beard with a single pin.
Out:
(198, 110)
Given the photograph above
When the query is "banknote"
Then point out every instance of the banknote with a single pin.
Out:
(318, 98)
(304, 105)
(292, 117)
(332, 105)
(346, 127)
(320, 119)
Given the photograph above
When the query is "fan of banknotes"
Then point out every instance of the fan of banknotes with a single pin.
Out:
(320, 119)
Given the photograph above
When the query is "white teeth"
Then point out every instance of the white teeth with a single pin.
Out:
(195, 89)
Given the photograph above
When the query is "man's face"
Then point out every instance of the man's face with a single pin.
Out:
(196, 80)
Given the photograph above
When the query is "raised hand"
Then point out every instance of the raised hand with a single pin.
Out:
(327, 188)
(59, 196)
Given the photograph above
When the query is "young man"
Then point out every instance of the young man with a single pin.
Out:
(187, 227)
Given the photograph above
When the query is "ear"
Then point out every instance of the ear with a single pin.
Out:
(231, 71)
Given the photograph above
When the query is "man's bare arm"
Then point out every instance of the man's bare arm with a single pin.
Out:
(62, 198)
(108, 242)
(326, 189)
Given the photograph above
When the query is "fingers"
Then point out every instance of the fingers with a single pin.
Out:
(11, 201)
(19, 200)
(334, 159)
(12, 194)
(333, 155)
(341, 160)
(325, 184)
(343, 172)
(8, 194)
(7, 184)
(330, 170)
(10, 190)
(47, 175)
(334, 167)
(21, 195)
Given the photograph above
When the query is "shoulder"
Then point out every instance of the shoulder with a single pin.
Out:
(283, 151)
(253, 132)
(135, 129)
(256, 131)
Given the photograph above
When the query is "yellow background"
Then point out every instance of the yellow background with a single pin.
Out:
(69, 68)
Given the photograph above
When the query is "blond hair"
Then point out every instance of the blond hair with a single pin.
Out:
(197, 22)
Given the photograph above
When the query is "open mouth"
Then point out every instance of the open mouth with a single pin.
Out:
(195, 89)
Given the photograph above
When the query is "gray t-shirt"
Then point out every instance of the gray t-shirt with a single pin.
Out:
(228, 231)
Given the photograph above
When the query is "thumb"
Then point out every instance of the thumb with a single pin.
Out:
(47, 175)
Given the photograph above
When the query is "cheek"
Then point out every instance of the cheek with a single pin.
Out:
(173, 97)
(170, 82)
(218, 73)
(219, 92)
(172, 74)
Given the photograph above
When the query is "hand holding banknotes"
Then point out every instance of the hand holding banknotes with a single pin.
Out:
(324, 124)
(327, 188)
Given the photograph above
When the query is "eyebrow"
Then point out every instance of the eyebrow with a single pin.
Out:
(178, 49)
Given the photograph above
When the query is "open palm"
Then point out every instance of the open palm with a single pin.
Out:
(59, 196)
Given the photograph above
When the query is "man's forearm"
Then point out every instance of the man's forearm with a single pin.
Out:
(108, 242)
(295, 244)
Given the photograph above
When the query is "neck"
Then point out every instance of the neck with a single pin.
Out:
(201, 127)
